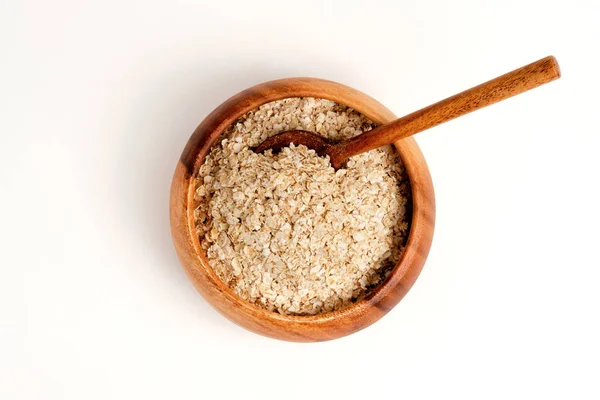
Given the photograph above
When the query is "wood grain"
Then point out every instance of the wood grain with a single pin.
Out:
(298, 328)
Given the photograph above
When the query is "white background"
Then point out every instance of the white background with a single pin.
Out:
(97, 100)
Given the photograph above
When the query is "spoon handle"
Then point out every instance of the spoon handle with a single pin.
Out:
(498, 89)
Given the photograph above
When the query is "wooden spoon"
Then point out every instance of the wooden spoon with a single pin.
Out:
(498, 89)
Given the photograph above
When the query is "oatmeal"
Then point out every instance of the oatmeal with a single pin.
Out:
(286, 231)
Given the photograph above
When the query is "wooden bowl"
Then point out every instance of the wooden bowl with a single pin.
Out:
(298, 328)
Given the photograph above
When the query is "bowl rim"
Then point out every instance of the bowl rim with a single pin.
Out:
(357, 315)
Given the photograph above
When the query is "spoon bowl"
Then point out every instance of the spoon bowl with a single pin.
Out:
(322, 146)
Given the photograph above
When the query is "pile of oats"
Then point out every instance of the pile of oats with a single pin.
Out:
(286, 231)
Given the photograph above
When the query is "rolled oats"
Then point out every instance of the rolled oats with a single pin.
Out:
(286, 231)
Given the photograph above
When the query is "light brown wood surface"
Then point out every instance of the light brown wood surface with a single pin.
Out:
(501, 88)
(298, 328)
